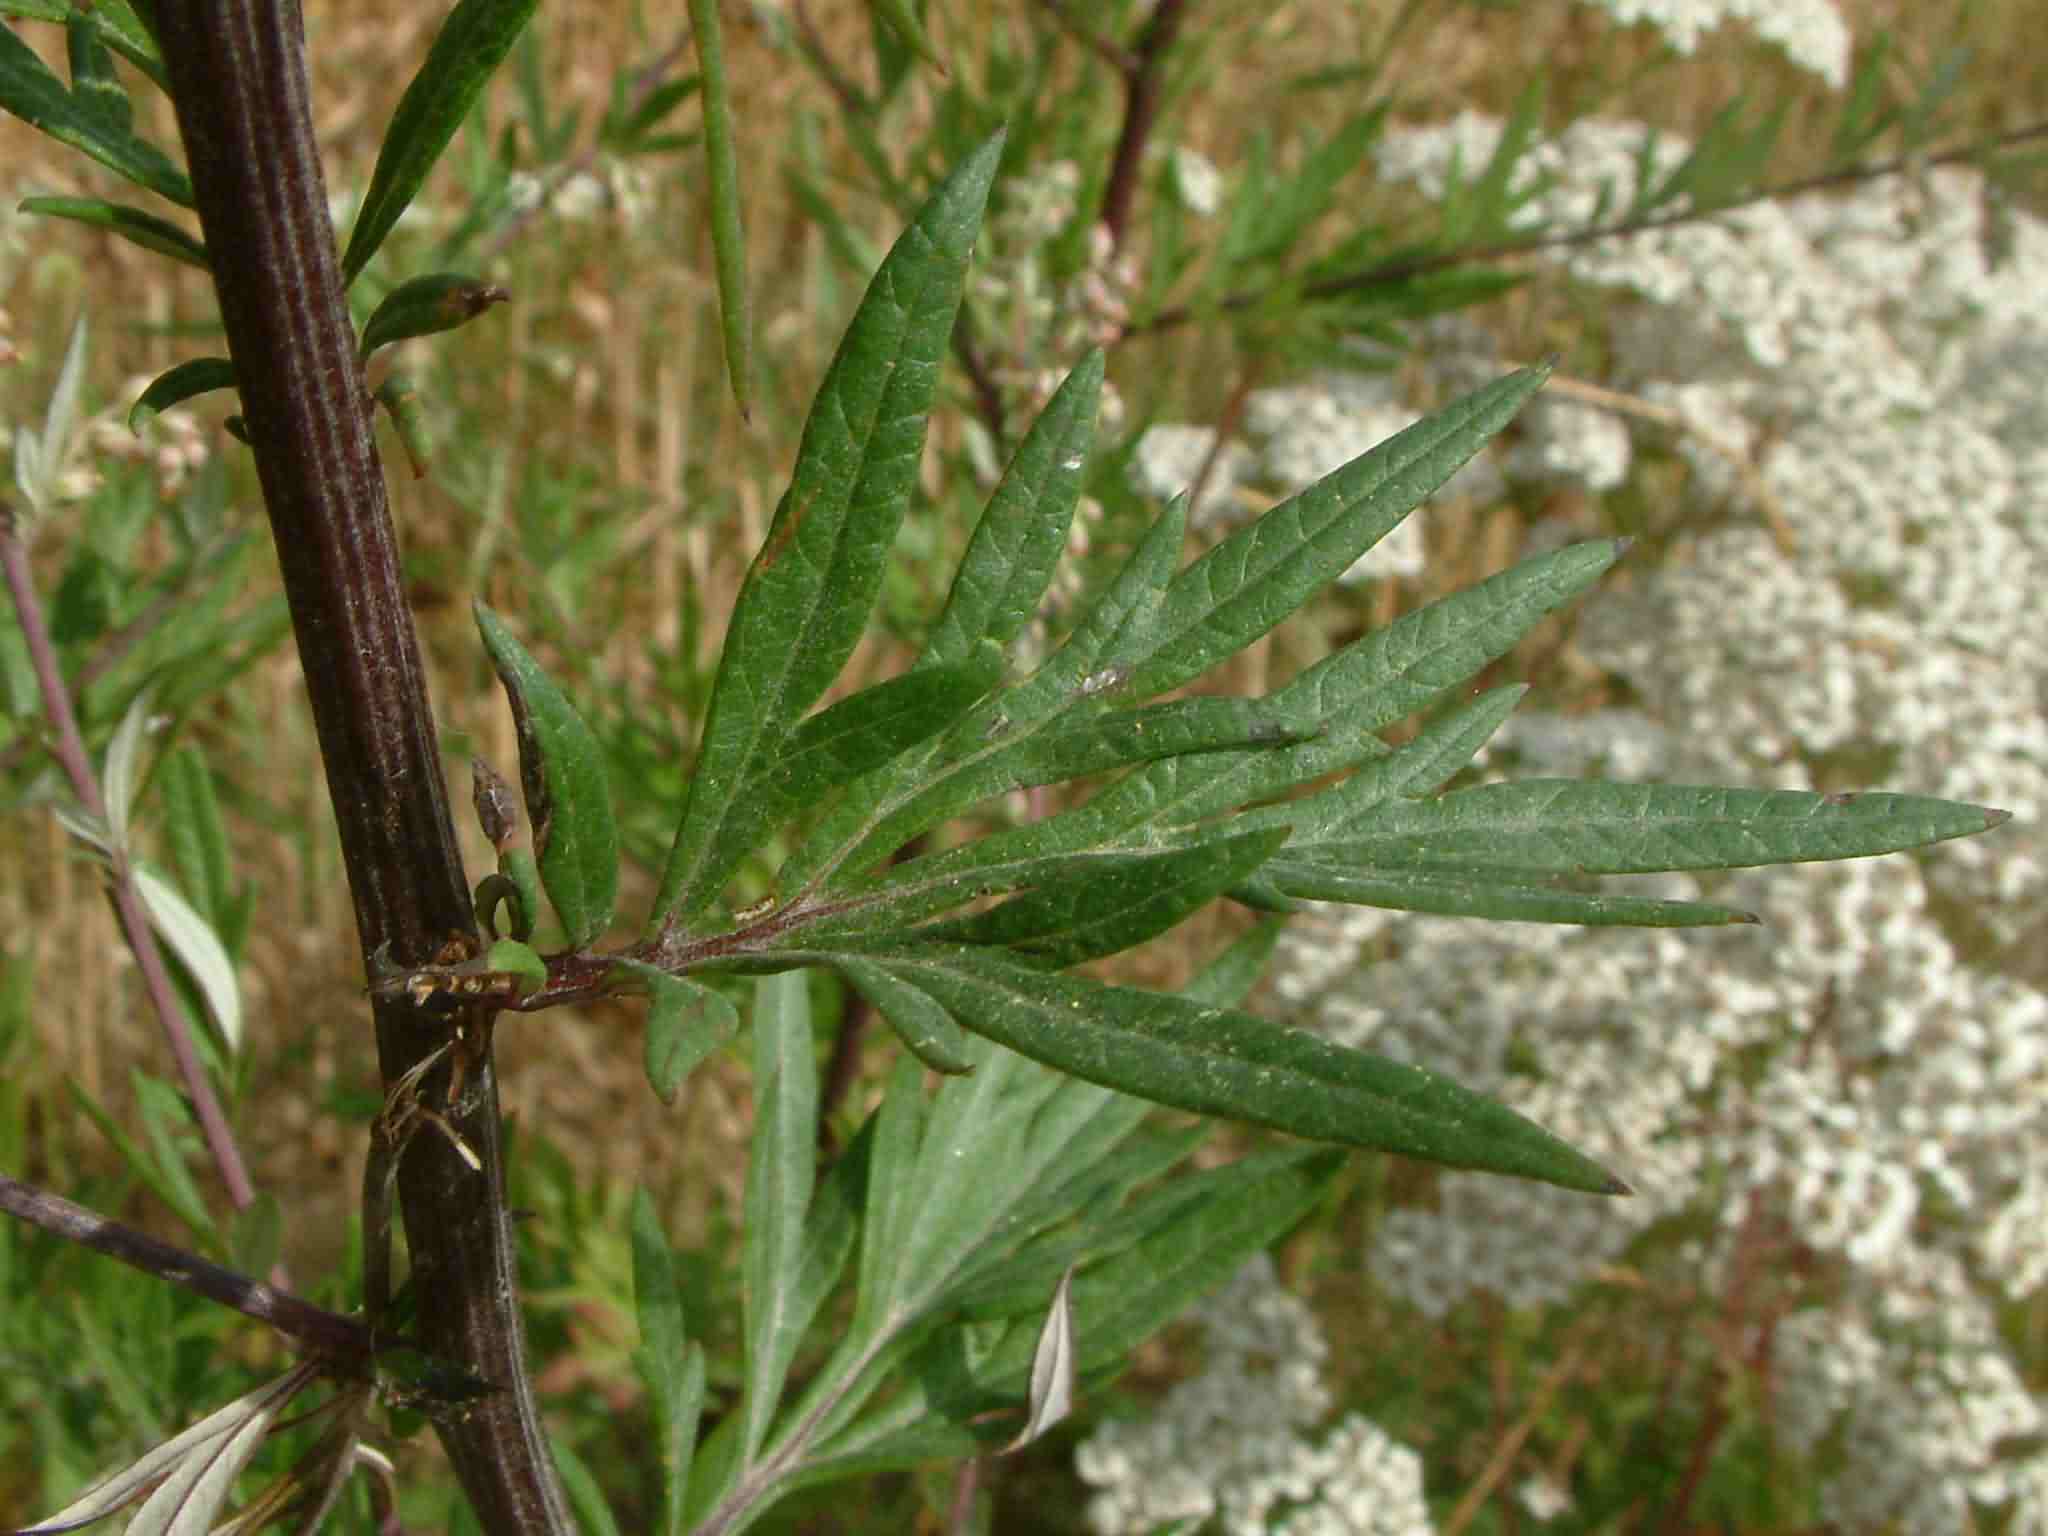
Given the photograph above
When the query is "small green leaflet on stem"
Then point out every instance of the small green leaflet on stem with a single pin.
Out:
(568, 791)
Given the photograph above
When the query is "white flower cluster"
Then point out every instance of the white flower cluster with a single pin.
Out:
(1034, 325)
(622, 187)
(1230, 1444)
(173, 442)
(1921, 1412)
(1857, 601)
(1812, 33)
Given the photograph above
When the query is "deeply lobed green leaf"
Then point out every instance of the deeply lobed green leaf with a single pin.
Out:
(1379, 679)
(808, 593)
(969, 765)
(859, 735)
(1196, 1241)
(1085, 740)
(1262, 573)
(1073, 921)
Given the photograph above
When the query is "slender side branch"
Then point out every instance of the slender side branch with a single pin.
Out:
(335, 1338)
(1144, 88)
(238, 77)
(69, 747)
(1402, 269)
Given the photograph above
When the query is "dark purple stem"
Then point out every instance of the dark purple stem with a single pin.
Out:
(238, 78)
(1144, 89)
(327, 1334)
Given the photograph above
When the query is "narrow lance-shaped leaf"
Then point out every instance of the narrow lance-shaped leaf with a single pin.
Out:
(174, 386)
(894, 1197)
(1259, 575)
(1016, 546)
(900, 17)
(426, 305)
(94, 85)
(568, 793)
(122, 772)
(1071, 922)
(728, 236)
(115, 21)
(39, 98)
(467, 51)
(1051, 1396)
(806, 598)
(1419, 767)
(858, 734)
(196, 834)
(1092, 740)
(191, 938)
(1408, 665)
(1498, 895)
(1118, 1304)
(930, 1033)
(780, 1175)
(175, 1192)
(200, 1446)
(167, 1124)
(867, 729)
(673, 1368)
(1381, 678)
(957, 773)
(1580, 826)
(1223, 1062)
(657, 1293)
(400, 397)
(131, 224)
(41, 457)
(1096, 657)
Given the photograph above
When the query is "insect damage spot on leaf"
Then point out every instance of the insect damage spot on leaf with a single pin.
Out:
(788, 518)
